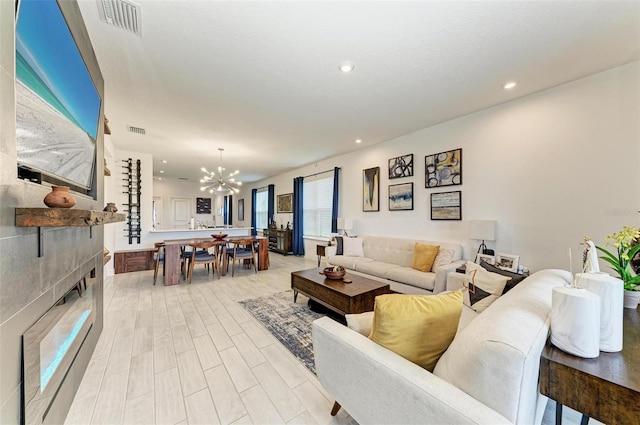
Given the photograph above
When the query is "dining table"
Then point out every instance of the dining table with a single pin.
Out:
(172, 251)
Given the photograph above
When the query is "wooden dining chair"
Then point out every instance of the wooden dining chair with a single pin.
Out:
(242, 249)
(208, 259)
(159, 258)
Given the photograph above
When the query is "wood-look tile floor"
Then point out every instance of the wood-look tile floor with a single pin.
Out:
(190, 354)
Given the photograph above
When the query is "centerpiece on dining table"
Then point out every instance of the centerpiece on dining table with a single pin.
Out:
(219, 236)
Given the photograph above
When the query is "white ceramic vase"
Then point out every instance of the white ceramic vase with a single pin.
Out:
(631, 298)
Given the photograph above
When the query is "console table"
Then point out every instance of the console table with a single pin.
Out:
(606, 388)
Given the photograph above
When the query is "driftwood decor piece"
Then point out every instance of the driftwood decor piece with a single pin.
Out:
(60, 217)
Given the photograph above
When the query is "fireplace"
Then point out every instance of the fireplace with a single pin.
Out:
(50, 346)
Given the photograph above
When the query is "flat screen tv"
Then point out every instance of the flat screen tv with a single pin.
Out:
(57, 104)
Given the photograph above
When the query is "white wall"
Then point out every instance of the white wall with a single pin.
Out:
(550, 168)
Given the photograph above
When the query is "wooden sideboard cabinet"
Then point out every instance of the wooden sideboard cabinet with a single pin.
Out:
(134, 261)
(279, 240)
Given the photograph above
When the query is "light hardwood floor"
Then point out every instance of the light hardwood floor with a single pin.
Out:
(190, 354)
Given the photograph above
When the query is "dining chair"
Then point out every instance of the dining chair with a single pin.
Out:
(185, 258)
(159, 258)
(242, 249)
(207, 259)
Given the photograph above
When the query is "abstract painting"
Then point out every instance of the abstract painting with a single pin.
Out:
(446, 206)
(285, 203)
(401, 166)
(400, 197)
(371, 189)
(443, 169)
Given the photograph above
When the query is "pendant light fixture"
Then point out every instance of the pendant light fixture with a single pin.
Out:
(216, 182)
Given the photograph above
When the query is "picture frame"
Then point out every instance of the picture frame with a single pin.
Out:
(446, 205)
(371, 189)
(241, 209)
(443, 169)
(285, 203)
(508, 262)
(401, 197)
(401, 166)
(203, 205)
(490, 259)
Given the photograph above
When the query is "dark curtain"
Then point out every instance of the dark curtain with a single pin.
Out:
(298, 226)
(229, 207)
(225, 214)
(254, 199)
(270, 203)
(334, 206)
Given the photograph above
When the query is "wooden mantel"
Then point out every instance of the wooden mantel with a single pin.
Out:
(60, 217)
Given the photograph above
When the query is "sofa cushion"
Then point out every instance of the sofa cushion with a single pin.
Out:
(424, 256)
(481, 288)
(416, 327)
(412, 277)
(347, 262)
(352, 247)
(514, 278)
(360, 323)
(376, 268)
(444, 257)
(496, 358)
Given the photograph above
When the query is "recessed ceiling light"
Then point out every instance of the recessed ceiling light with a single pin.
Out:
(159, 178)
(164, 161)
(346, 67)
(358, 141)
(510, 85)
(161, 171)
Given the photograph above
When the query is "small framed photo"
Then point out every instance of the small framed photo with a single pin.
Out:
(401, 166)
(285, 203)
(490, 259)
(446, 205)
(401, 197)
(508, 262)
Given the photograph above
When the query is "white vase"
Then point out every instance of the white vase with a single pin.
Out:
(611, 293)
(631, 298)
(575, 321)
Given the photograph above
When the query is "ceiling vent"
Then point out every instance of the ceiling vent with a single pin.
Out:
(136, 130)
(122, 14)
(183, 178)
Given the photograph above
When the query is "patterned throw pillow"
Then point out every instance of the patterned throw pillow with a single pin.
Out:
(481, 288)
(444, 257)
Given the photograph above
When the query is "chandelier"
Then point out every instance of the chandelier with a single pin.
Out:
(216, 182)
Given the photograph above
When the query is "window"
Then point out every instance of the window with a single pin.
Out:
(261, 208)
(317, 205)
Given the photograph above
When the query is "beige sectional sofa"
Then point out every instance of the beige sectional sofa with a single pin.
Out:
(390, 259)
(488, 375)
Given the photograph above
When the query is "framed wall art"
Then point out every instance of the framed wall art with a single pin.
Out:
(203, 205)
(401, 197)
(241, 209)
(507, 262)
(401, 166)
(443, 169)
(371, 189)
(285, 203)
(446, 205)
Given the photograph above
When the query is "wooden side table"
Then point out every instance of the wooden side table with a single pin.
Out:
(606, 388)
(320, 252)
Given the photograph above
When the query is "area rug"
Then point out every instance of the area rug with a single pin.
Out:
(289, 322)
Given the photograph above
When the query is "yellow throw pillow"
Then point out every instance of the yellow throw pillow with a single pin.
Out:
(424, 256)
(417, 327)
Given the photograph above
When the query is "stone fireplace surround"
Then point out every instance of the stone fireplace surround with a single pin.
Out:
(30, 285)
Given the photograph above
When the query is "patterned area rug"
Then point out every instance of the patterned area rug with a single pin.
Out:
(289, 322)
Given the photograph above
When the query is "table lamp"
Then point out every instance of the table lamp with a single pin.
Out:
(345, 224)
(484, 230)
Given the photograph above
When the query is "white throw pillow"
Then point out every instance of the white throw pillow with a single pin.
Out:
(444, 257)
(481, 288)
(352, 247)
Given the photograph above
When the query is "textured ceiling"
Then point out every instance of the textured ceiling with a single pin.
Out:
(261, 79)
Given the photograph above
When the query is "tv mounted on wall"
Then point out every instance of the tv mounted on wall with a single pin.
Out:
(57, 104)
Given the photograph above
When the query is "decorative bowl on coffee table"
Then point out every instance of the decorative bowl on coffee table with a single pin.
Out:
(330, 273)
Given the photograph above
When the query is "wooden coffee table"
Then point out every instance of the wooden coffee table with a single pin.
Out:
(343, 298)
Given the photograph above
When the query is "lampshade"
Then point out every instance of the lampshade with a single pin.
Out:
(345, 224)
(483, 230)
